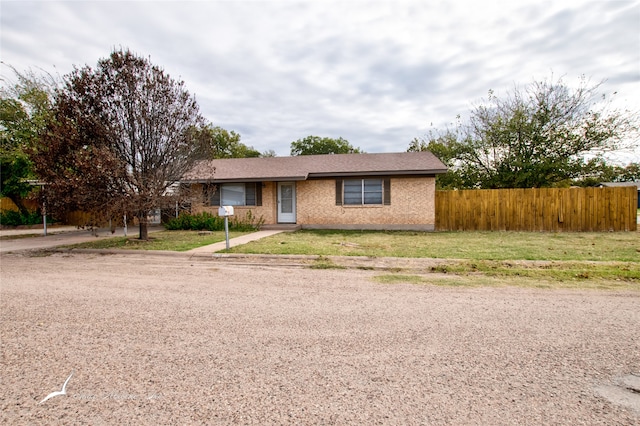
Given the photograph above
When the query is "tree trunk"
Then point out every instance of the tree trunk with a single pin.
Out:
(142, 219)
(18, 202)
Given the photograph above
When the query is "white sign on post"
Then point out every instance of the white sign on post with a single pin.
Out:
(226, 211)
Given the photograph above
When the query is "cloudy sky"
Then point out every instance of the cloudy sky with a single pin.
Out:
(377, 73)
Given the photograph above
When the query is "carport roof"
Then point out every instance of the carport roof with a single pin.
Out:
(618, 184)
(305, 167)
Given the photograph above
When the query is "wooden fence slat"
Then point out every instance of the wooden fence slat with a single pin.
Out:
(7, 204)
(538, 209)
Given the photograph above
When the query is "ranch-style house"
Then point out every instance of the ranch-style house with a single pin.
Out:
(391, 191)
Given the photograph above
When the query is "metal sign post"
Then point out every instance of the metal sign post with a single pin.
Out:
(226, 230)
(44, 209)
(226, 211)
(44, 218)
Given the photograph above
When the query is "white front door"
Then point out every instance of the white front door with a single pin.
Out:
(286, 202)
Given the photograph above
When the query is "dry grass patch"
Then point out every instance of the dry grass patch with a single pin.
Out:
(570, 275)
(162, 240)
(620, 246)
(522, 282)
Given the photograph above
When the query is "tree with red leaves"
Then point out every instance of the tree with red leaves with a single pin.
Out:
(121, 135)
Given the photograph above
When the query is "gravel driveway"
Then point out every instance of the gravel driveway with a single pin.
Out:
(172, 340)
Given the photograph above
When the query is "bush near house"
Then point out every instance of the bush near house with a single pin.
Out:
(15, 218)
(208, 222)
(10, 214)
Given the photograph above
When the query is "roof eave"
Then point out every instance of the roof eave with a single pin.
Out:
(379, 173)
(251, 179)
(320, 175)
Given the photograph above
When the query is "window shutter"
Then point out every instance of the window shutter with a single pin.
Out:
(250, 194)
(338, 192)
(215, 196)
(258, 193)
(206, 193)
(386, 189)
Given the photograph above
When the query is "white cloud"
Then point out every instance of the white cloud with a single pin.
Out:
(377, 73)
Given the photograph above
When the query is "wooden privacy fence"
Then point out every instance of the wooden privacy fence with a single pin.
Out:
(538, 209)
(75, 218)
(7, 204)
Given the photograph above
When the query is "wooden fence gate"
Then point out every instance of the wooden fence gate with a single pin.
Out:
(538, 209)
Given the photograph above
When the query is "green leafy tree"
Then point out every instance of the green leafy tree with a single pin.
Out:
(538, 136)
(314, 145)
(599, 171)
(24, 109)
(629, 173)
(221, 143)
(121, 136)
(15, 167)
(446, 147)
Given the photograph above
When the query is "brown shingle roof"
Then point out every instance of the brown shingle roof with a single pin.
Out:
(304, 167)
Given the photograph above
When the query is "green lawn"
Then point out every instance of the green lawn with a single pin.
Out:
(547, 260)
(162, 240)
(494, 246)
(620, 246)
(568, 260)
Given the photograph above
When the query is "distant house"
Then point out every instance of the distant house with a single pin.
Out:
(342, 191)
(613, 184)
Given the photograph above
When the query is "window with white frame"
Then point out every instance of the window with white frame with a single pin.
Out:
(362, 191)
(237, 194)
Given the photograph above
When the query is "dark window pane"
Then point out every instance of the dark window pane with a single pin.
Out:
(373, 198)
(353, 199)
(373, 191)
(353, 191)
(372, 184)
(233, 194)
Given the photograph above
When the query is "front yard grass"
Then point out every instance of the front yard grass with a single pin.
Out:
(545, 260)
(478, 280)
(564, 260)
(162, 240)
(556, 270)
(618, 246)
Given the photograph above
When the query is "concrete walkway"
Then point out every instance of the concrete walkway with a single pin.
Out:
(222, 245)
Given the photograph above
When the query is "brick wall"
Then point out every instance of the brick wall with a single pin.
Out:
(412, 206)
(267, 210)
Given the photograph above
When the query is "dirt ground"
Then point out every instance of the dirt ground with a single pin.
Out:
(156, 339)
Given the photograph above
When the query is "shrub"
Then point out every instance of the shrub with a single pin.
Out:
(15, 218)
(208, 222)
(198, 222)
(248, 223)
